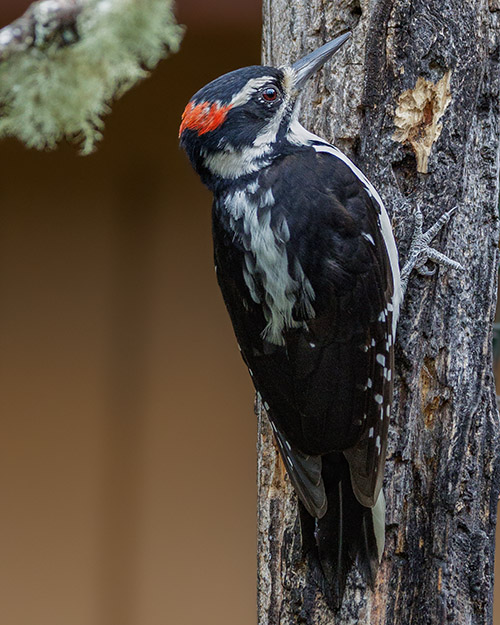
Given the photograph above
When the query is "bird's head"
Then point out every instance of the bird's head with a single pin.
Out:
(232, 125)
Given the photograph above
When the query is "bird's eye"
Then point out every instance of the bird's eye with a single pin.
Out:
(270, 94)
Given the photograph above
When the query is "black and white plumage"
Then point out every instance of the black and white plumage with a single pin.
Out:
(308, 268)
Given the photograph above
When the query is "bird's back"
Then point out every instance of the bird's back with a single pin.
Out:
(304, 275)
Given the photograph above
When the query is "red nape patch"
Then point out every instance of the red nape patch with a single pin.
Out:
(203, 117)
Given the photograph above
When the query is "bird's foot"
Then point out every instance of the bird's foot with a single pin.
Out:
(421, 252)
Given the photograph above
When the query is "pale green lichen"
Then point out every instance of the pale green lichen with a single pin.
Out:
(54, 92)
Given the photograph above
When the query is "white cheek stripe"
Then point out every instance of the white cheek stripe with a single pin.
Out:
(300, 136)
(231, 163)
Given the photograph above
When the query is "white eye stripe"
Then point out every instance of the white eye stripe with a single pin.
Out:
(252, 86)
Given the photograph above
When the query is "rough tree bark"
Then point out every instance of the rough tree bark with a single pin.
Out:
(413, 99)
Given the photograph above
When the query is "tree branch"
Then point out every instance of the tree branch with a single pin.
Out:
(63, 61)
(43, 23)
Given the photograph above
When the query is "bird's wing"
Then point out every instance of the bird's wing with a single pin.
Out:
(327, 383)
(305, 475)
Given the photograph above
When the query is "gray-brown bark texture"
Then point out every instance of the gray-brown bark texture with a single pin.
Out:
(414, 100)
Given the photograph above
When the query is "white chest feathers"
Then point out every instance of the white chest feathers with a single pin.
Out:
(274, 278)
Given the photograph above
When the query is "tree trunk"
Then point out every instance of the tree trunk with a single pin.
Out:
(413, 99)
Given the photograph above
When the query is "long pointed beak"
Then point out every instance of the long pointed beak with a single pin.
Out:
(307, 65)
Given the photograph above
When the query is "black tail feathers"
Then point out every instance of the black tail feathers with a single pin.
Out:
(343, 536)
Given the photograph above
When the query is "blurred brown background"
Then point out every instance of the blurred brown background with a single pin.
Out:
(127, 453)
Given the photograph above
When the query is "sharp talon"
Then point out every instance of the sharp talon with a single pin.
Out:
(420, 251)
(426, 271)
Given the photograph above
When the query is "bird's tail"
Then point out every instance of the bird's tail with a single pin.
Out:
(347, 533)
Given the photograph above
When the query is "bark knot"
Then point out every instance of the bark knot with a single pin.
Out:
(417, 116)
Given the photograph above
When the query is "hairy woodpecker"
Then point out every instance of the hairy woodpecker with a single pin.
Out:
(308, 268)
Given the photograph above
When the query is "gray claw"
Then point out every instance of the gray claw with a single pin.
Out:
(421, 252)
(426, 271)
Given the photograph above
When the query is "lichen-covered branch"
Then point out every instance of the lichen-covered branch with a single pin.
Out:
(63, 62)
(41, 24)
